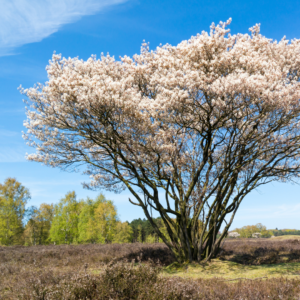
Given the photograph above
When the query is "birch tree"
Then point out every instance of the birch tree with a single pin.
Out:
(64, 226)
(97, 221)
(13, 198)
(37, 229)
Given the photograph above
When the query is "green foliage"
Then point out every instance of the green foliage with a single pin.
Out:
(281, 232)
(37, 229)
(68, 222)
(86, 228)
(123, 233)
(64, 228)
(248, 231)
(13, 198)
(142, 230)
(106, 221)
(72, 221)
(97, 221)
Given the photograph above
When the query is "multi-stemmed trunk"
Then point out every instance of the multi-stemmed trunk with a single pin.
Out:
(196, 235)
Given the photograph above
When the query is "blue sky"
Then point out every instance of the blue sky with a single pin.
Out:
(30, 30)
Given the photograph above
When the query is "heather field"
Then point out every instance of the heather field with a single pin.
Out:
(244, 269)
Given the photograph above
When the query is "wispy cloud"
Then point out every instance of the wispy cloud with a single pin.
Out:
(10, 154)
(8, 133)
(28, 21)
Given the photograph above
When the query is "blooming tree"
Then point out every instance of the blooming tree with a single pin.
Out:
(233, 234)
(189, 130)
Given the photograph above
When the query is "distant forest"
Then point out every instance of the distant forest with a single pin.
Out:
(279, 232)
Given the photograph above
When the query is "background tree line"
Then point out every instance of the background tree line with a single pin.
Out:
(249, 230)
(70, 221)
(73, 221)
(280, 232)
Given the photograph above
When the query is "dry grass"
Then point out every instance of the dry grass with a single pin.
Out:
(19, 263)
(129, 281)
(228, 270)
(78, 255)
(261, 251)
(103, 272)
(287, 237)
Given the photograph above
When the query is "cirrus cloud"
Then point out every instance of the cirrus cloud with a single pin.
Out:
(28, 21)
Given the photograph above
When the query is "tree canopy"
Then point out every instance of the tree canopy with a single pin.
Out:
(97, 221)
(38, 226)
(64, 227)
(206, 122)
(13, 198)
(248, 231)
(87, 221)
